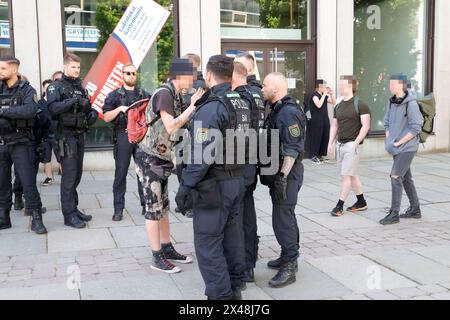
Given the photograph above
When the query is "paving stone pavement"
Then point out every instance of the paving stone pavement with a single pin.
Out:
(351, 258)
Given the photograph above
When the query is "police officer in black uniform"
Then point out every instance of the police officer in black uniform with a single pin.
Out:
(249, 222)
(69, 102)
(115, 110)
(216, 185)
(40, 132)
(17, 121)
(287, 117)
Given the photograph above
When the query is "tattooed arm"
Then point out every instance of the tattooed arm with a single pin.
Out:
(288, 163)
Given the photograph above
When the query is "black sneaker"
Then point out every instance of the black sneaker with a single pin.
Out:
(171, 254)
(324, 160)
(316, 160)
(412, 213)
(392, 218)
(337, 212)
(47, 182)
(160, 263)
(358, 207)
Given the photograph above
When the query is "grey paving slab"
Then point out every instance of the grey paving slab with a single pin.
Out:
(439, 254)
(102, 218)
(412, 265)
(306, 225)
(88, 201)
(103, 175)
(182, 232)
(360, 274)
(433, 214)
(317, 204)
(128, 237)
(311, 284)
(347, 221)
(51, 202)
(80, 240)
(20, 223)
(22, 244)
(153, 287)
(190, 282)
(43, 292)
(265, 226)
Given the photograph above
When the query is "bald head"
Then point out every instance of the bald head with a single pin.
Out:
(248, 61)
(275, 87)
(239, 75)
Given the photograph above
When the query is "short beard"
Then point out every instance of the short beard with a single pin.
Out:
(130, 84)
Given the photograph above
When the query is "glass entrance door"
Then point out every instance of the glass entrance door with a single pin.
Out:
(296, 62)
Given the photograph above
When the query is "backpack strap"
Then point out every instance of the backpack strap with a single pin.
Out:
(150, 105)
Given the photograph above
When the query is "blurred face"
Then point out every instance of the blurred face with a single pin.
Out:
(72, 69)
(269, 89)
(185, 82)
(7, 71)
(130, 76)
(397, 87)
(345, 86)
(322, 88)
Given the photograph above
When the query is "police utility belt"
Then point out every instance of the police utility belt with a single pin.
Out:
(73, 121)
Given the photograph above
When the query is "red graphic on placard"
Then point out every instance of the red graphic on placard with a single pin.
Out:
(105, 75)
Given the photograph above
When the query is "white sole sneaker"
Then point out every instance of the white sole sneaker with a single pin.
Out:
(187, 261)
(174, 270)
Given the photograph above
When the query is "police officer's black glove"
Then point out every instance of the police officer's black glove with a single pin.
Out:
(92, 117)
(280, 187)
(184, 199)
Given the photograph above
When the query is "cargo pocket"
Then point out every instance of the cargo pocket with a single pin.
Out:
(208, 195)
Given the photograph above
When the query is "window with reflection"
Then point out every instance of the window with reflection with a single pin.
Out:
(5, 29)
(265, 19)
(390, 38)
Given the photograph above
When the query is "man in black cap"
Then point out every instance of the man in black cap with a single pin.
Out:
(154, 161)
(17, 121)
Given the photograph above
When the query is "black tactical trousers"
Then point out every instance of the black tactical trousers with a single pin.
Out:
(123, 150)
(284, 221)
(70, 149)
(23, 156)
(17, 186)
(249, 223)
(218, 235)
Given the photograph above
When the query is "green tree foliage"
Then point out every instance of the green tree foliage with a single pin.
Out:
(379, 53)
(108, 15)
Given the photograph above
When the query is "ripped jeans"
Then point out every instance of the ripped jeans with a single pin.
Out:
(401, 178)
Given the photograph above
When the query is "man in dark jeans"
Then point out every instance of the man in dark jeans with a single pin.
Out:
(403, 123)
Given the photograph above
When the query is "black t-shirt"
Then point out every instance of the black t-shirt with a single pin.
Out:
(163, 101)
(132, 96)
(349, 121)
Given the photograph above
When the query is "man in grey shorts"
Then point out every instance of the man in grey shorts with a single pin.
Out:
(350, 126)
(403, 123)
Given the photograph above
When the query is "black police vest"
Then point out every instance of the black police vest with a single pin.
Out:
(74, 119)
(240, 122)
(270, 123)
(121, 121)
(15, 126)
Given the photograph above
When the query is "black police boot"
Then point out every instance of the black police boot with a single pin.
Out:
(392, 218)
(36, 223)
(248, 276)
(143, 211)
(276, 264)
(118, 215)
(5, 220)
(74, 221)
(18, 203)
(189, 214)
(412, 213)
(28, 213)
(285, 276)
(83, 217)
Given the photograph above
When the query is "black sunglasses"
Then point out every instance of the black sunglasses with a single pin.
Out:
(129, 73)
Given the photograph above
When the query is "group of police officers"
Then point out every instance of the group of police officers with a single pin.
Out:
(218, 194)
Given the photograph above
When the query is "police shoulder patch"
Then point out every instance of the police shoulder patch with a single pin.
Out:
(201, 135)
(294, 131)
(51, 89)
